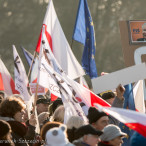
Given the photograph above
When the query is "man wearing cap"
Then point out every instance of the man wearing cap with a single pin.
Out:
(112, 136)
(87, 136)
(42, 104)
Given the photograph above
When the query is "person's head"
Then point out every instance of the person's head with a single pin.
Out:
(42, 104)
(56, 136)
(88, 135)
(72, 124)
(144, 30)
(108, 97)
(58, 115)
(48, 126)
(97, 119)
(13, 107)
(43, 118)
(112, 135)
(74, 121)
(56, 104)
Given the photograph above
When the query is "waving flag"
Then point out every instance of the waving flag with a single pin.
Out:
(49, 76)
(8, 83)
(21, 80)
(82, 94)
(84, 33)
(59, 45)
(132, 119)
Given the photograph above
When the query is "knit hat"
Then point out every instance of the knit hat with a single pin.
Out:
(56, 136)
(85, 130)
(108, 95)
(110, 132)
(4, 128)
(94, 115)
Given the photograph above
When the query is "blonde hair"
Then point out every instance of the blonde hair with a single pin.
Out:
(42, 117)
(75, 121)
(58, 115)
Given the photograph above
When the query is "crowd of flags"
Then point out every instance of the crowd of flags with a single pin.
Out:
(56, 67)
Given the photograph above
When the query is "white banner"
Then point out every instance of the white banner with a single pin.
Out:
(21, 80)
(124, 77)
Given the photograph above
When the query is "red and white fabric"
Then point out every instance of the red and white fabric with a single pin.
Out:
(132, 119)
(59, 45)
(8, 83)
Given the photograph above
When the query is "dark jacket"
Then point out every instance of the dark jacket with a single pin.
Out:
(19, 131)
(71, 134)
(137, 140)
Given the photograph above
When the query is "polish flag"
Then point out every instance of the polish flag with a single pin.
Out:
(8, 83)
(132, 119)
(59, 45)
(48, 62)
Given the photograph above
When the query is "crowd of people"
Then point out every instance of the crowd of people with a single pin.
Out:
(17, 128)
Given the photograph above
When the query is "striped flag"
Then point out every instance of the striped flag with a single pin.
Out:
(132, 119)
(8, 83)
(47, 59)
(59, 45)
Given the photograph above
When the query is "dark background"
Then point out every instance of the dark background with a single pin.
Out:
(21, 21)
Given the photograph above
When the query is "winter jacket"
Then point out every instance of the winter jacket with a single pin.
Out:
(137, 140)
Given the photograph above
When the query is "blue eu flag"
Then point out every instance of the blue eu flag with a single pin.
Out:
(128, 104)
(84, 33)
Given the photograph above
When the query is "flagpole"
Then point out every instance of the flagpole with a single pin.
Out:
(34, 56)
(35, 98)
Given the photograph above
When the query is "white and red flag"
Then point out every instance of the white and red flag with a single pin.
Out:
(51, 76)
(59, 45)
(132, 119)
(47, 60)
(21, 80)
(7, 81)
